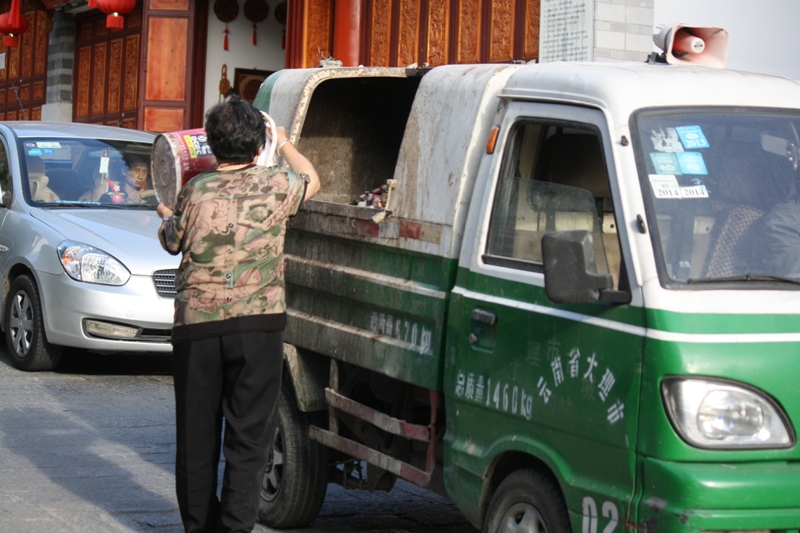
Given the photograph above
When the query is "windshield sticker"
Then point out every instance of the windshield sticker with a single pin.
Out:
(692, 163)
(692, 137)
(665, 163)
(104, 165)
(695, 191)
(665, 186)
(35, 152)
(48, 151)
(48, 145)
(666, 141)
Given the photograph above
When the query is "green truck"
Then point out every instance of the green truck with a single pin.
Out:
(547, 292)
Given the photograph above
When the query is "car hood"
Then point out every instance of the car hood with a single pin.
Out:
(129, 235)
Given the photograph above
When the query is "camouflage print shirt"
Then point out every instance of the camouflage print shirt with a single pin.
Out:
(230, 227)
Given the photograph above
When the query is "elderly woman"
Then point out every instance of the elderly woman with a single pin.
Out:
(230, 314)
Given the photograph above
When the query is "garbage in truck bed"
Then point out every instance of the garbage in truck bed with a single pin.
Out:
(376, 198)
(352, 127)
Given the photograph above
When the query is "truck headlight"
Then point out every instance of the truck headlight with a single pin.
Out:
(87, 263)
(718, 414)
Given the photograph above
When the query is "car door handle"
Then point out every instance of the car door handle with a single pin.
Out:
(482, 315)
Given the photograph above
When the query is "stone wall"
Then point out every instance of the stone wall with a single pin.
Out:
(623, 30)
(60, 68)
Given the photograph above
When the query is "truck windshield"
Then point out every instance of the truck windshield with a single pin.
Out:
(721, 188)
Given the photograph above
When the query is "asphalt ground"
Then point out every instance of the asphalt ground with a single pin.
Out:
(90, 448)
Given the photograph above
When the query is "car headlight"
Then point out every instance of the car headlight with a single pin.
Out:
(718, 414)
(87, 263)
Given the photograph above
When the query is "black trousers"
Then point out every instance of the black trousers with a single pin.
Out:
(238, 377)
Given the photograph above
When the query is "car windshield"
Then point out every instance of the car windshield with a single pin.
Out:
(87, 172)
(721, 190)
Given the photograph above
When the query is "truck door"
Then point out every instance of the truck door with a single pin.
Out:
(534, 384)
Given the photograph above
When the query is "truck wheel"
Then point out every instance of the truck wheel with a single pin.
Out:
(296, 478)
(527, 502)
(24, 328)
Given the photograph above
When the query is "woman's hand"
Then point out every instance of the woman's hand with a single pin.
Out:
(281, 134)
(295, 160)
(163, 211)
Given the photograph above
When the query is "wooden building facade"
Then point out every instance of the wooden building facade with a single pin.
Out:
(150, 75)
(402, 32)
(23, 77)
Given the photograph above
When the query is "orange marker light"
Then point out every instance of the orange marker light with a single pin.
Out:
(490, 144)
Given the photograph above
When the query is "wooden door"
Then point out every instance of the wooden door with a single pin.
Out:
(106, 81)
(144, 76)
(24, 77)
(171, 83)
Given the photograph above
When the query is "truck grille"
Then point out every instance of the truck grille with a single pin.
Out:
(165, 282)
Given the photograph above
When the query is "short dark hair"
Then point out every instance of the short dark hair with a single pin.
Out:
(235, 131)
(131, 160)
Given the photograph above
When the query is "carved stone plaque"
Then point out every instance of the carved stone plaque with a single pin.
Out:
(566, 28)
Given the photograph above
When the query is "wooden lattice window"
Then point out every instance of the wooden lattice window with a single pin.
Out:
(24, 77)
(107, 71)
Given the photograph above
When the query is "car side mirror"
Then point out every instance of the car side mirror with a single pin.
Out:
(570, 272)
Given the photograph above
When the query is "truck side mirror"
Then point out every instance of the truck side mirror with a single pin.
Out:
(570, 272)
(5, 198)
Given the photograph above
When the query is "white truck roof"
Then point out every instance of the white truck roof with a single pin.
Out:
(623, 88)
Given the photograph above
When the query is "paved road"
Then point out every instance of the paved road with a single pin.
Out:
(89, 448)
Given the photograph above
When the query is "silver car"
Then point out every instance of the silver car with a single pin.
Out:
(79, 255)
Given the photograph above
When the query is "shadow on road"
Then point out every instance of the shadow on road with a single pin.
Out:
(97, 434)
(91, 446)
(75, 361)
(92, 469)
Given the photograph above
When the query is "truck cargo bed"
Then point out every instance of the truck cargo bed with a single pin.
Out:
(370, 286)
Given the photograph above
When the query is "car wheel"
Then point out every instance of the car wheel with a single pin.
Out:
(24, 328)
(296, 479)
(527, 502)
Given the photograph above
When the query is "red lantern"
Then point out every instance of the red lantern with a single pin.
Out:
(226, 11)
(13, 24)
(115, 9)
(280, 16)
(256, 11)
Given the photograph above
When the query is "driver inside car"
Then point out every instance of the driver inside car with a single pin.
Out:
(138, 186)
(125, 183)
(780, 238)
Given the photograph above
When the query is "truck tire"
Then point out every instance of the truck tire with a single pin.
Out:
(296, 479)
(527, 502)
(24, 328)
